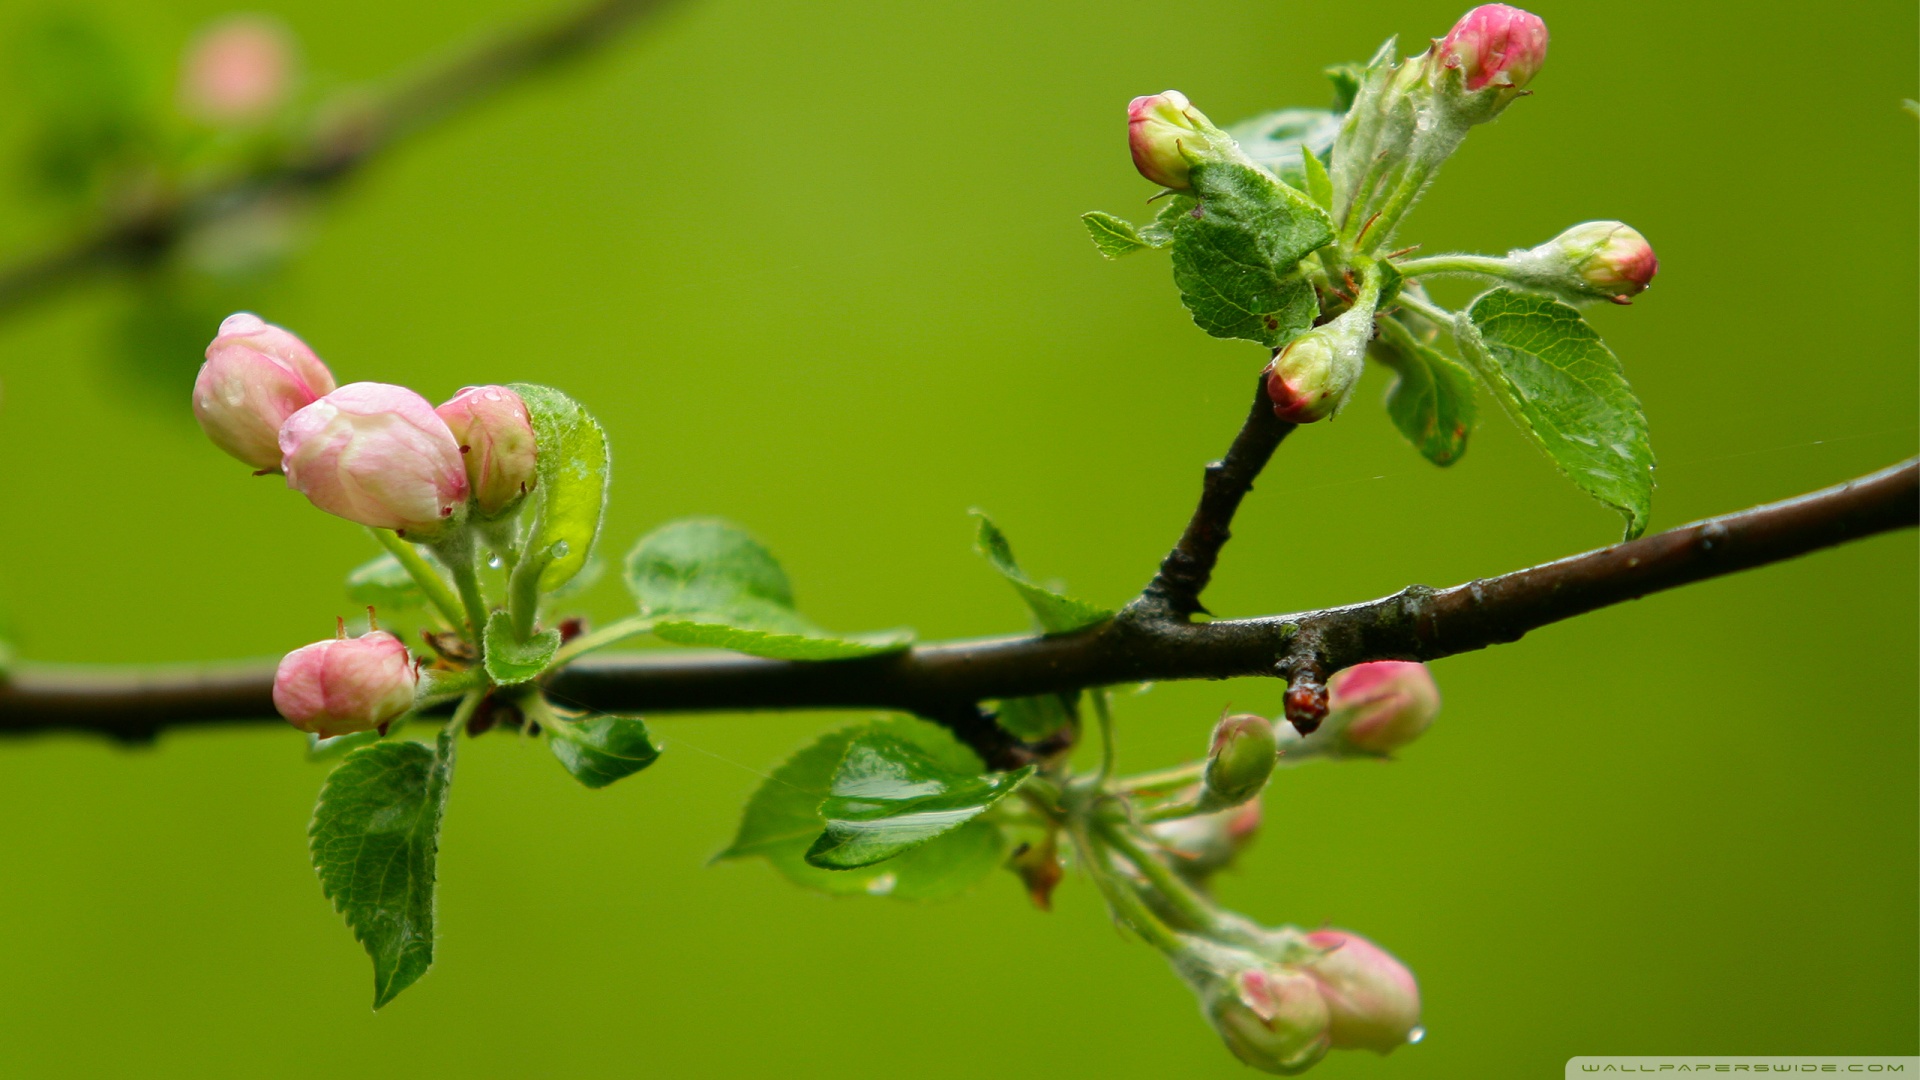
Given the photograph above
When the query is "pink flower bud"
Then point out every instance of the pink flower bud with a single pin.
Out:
(255, 377)
(1611, 257)
(1303, 381)
(496, 440)
(378, 455)
(1496, 44)
(237, 71)
(1372, 1000)
(1239, 760)
(345, 685)
(1165, 132)
(1383, 705)
(1272, 1018)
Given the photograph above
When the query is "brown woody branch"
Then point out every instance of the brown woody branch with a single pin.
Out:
(132, 236)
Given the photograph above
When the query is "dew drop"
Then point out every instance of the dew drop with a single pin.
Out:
(882, 885)
(1416, 1035)
(496, 562)
(560, 549)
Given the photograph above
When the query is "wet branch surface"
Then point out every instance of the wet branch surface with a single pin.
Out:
(330, 153)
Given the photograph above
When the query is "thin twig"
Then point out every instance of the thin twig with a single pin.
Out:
(330, 152)
(943, 680)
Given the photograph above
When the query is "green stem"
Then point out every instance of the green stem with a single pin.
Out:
(1193, 907)
(523, 592)
(1397, 205)
(1484, 265)
(1124, 902)
(611, 634)
(457, 551)
(463, 712)
(1104, 716)
(1184, 808)
(1163, 782)
(422, 573)
(1433, 313)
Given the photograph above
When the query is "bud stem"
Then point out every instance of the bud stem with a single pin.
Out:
(457, 551)
(1193, 908)
(1164, 782)
(423, 575)
(1105, 720)
(1121, 899)
(464, 711)
(1485, 265)
(611, 634)
(1433, 313)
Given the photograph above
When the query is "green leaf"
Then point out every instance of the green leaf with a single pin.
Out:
(1431, 401)
(782, 820)
(1113, 236)
(1280, 142)
(375, 838)
(1031, 719)
(1058, 614)
(381, 582)
(1316, 183)
(511, 661)
(572, 485)
(888, 798)
(1566, 390)
(710, 583)
(1236, 255)
(601, 749)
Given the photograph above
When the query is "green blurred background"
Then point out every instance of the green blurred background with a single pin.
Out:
(816, 267)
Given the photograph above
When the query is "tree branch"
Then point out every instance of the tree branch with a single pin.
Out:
(944, 680)
(329, 154)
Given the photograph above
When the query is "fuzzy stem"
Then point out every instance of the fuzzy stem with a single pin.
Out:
(422, 573)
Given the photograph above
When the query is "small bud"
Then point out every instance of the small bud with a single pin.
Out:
(1604, 259)
(1496, 44)
(495, 436)
(237, 71)
(1303, 380)
(344, 685)
(1204, 844)
(1166, 133)
(378, 455)
(1372, 1000)
(1380, 707)
(255, 377)
(1272, 1018)
(1239, 760)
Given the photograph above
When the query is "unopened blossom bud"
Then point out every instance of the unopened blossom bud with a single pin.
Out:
(1272, 1018)
(344, 685)
(1372, 1000)
(1598, 259)
(1239, 760)
(1495, 44)
(1166, 134)
(1204, 844)
(1379, 707)
(237, 71)
(255, 377)
(378, 455)
(495, 435)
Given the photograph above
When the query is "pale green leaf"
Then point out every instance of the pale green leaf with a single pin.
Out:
(1236, 255)
(375, 839)
(1113, 236)
(1565, 389)
(888, 797)
(601, 749)
(1280, 142)
(1056, 613)
(510, 661)
(571, 491)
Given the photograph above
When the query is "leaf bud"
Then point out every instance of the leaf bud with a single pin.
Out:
(238, 71)
(343, 685)
(1372, 1000)
(1239, 760)
(1271, 1017)
(378, 455)
(1496, 44)
(1597, 259)
(1167, 134)
(495, 436)
(1379, 707)
(255, 376)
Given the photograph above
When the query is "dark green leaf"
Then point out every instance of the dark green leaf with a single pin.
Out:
(1431, 401)
(511, 661)
(782, 820)
(572, 486)
(1113, 236)
(375, 838)
(888, 797)
(1565, 388)
(1281, 141)
(1031, 719)
(601, 749)
(1057, 614)
(383, 583)
(1236, 255)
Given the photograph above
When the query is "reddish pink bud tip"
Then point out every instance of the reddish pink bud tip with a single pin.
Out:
(1163, 131)
(1496, 43)
(1384, 705)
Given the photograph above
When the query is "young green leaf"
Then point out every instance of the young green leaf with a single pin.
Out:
(783, 819)
(381, 582)
(601, 749)
(509, 660)
(1236, 255)
(888, 798)
(1274, 141)
(1031, 719)
(710, 583)
(572, 486)
(1431, 401)
(1112, 235)
(1565, 389)
(1314, 179)
(1057, 614)
(375, 838)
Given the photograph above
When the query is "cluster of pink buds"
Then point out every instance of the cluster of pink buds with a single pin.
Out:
(372, 453)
